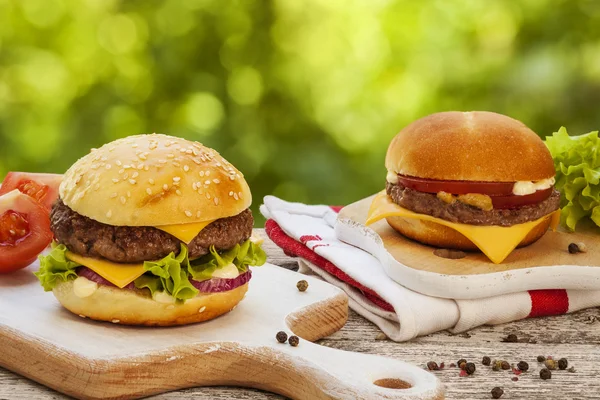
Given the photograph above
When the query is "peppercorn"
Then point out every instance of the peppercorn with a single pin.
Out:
(442, 365)
(578, 247)
(563, 363)
(514, 379)
(505, 365)
(281, 337)
(486, 361)
(550, 364)
(302, 285)
(452, 365)
(432, 366)
(497, 392)
(545, 374)
(512, 338)
(470, 368)
(293, 341)
(523, 366)
(461, 363)
(541, 358)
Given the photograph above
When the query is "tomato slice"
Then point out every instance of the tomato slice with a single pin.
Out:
(24, 231)
(457, 187)
(42, 187)
(514, 201)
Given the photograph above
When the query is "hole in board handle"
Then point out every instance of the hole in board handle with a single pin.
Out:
(392, 383)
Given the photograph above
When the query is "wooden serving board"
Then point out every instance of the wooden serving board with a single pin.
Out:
(94, 360)
(545, 264)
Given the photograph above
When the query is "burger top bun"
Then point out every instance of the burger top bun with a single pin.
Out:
(154, 180)
(469, 146)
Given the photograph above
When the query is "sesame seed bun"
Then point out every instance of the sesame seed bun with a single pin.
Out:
(126, 307)
(154, 180)
(469, 146)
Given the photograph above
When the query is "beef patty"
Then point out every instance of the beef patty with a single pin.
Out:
(133, 244)
(428, 203)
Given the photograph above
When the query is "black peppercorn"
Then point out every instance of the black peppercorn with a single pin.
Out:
(505, 365)
(470, 368)
(302, 285)
(523, 366)
(497, 393)
(563, 363)
(486, 361)
(293, 341)
(541, 359)
(461, 363)
(512, 338)
(545, 374)
(432, 366)
(281, 336)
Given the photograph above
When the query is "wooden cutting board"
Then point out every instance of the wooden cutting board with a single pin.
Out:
(94, 360)
(546, 264)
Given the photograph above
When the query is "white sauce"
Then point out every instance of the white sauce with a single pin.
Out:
(162, 297)
(83, 287)
(392, 177)
(523, 188)
(229, 271)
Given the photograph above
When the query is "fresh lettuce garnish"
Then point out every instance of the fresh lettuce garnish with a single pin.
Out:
(56, 268)
(172, 274)
(577, 164)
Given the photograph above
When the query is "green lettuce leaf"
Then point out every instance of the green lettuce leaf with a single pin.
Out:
(248, 253)
(169, 275)
(577, 164)
(55, 268)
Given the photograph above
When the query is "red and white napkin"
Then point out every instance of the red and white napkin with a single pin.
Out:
(307, 232)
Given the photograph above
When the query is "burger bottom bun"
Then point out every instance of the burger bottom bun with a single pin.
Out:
(126, 307)
(437, 235)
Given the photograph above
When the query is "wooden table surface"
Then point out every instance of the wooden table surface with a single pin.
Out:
(575, 337)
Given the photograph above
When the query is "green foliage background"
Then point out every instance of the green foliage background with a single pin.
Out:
(303, 96)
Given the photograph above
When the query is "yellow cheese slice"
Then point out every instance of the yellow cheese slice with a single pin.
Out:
(185, 232)
(496, 242)
(119, 275)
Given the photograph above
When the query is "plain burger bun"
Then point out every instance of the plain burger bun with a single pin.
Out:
(433, 234)
(126, 307)
(154, 180)
(469, 146)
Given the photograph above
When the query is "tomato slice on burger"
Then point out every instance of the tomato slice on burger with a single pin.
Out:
(24, 231)
(42, 187)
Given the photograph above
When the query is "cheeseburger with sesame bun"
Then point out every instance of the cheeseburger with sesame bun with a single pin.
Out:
(151, 230)
(469, 181)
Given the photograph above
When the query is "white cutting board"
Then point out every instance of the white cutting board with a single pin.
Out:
(95, 360)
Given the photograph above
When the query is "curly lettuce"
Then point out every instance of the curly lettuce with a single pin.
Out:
(577, 164)
(171, 275)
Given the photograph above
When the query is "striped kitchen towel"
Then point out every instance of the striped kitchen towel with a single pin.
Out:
(307, 232)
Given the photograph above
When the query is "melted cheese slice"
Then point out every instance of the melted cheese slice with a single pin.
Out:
(496, 242)
(185, 232)
(119, 275)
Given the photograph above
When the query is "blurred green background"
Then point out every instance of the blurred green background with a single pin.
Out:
(302, 96)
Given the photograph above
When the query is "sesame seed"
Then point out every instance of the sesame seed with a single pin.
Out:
(119, 163)
(108, 166)
(109, 214)
(240, 194)
(216, 201)
(123, 200)
(151, 181)
(176, 164)
(149, 191)
(135, 174)
(142, 157)
(218, 164)
(97, 186)
(235, 196)
(196, 161)
(128, 193)
(198, 214)
(162, 161)
(232, 177)
(121, 171)
(165, 187)
(178, 192)
(186, 168)
(115, 180)
(125, 176)
(176, 179)
(115, 321)
(207, 182)
(140, 166)
(208, 196)
(231, 193)
(188, 152)
(113, 195)
(188, 213)
(201, 310)
(103, 159)
(170, 155)
(146, 168)
(201, 173)
(126, 166)
(207, 173)
(194, 186)
(216, 180)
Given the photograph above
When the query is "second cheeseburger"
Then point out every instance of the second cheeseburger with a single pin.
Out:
(151, 230)
(469, 181)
